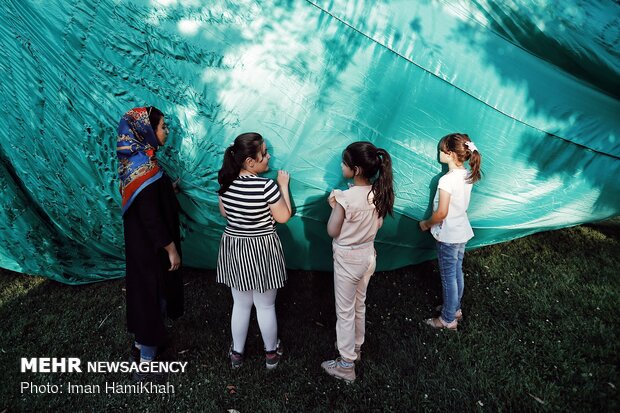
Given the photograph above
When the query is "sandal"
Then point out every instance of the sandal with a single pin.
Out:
(458, 315)
(440, 324)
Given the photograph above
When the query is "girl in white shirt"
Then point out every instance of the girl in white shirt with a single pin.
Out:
(449, 224)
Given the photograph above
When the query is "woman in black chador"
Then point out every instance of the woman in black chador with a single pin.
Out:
(152, 237)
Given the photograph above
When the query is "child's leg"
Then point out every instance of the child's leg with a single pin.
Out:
(360, 302)
(240, 319)
(447, 256)
(347, 273)
(266, 314)
(345, 291)
(460, 279)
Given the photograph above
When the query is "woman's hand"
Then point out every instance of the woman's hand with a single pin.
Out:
(175, 186)
(173, 256)
(175, 260)
(283, 179)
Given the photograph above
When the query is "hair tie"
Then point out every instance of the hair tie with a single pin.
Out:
(471, 146)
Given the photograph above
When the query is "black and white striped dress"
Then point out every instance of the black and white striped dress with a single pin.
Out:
(250, 255)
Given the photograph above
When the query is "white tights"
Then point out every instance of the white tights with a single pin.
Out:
(265, 313)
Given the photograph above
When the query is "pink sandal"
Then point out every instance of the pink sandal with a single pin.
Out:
(438, 323)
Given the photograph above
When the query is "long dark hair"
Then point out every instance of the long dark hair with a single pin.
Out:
(155, 116)
(246, 145)
(373, 161)
(457, 143)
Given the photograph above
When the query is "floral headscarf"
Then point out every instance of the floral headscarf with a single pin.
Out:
(135, 147)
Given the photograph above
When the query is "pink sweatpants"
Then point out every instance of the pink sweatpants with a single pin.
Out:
(353, 267)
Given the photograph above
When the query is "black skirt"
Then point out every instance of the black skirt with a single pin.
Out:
(251, 263)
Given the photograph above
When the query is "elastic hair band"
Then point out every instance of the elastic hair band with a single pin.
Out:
(471, 146)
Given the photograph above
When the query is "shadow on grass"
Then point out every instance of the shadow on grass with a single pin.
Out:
(539, 334)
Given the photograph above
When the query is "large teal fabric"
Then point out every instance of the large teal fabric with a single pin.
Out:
(535, 83)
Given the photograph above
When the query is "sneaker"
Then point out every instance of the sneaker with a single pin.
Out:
(337, 369)
(358, 352)
(272, 358)
(236, 359)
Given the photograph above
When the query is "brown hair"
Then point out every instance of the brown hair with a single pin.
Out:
(245, 146)
(373, 161)
(457, 143)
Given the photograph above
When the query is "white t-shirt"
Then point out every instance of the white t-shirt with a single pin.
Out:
(455, 228)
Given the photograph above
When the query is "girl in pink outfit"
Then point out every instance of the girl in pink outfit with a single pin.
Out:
(357, 215)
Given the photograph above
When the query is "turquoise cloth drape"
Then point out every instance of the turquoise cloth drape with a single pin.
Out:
(535, 83)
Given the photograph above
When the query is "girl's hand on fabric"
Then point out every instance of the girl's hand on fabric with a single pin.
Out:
(424, 225)
(283, 178)
(175, 260)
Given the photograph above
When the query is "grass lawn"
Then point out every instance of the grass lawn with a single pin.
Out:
(541, 333)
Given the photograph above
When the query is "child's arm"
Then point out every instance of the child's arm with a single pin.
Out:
(441, 212)
(281, 210)
(334, 225)
(222, 210)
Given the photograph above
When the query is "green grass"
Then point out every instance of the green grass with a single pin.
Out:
(540, 334)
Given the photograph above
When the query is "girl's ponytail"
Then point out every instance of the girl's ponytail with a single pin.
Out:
(373, 161)
(229, 170)
(246, 145)
(475, 159)
(383, 186)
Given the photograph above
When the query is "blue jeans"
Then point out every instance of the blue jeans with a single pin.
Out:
(450, 257)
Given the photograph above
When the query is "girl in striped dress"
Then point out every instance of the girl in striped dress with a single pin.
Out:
(250, 260)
